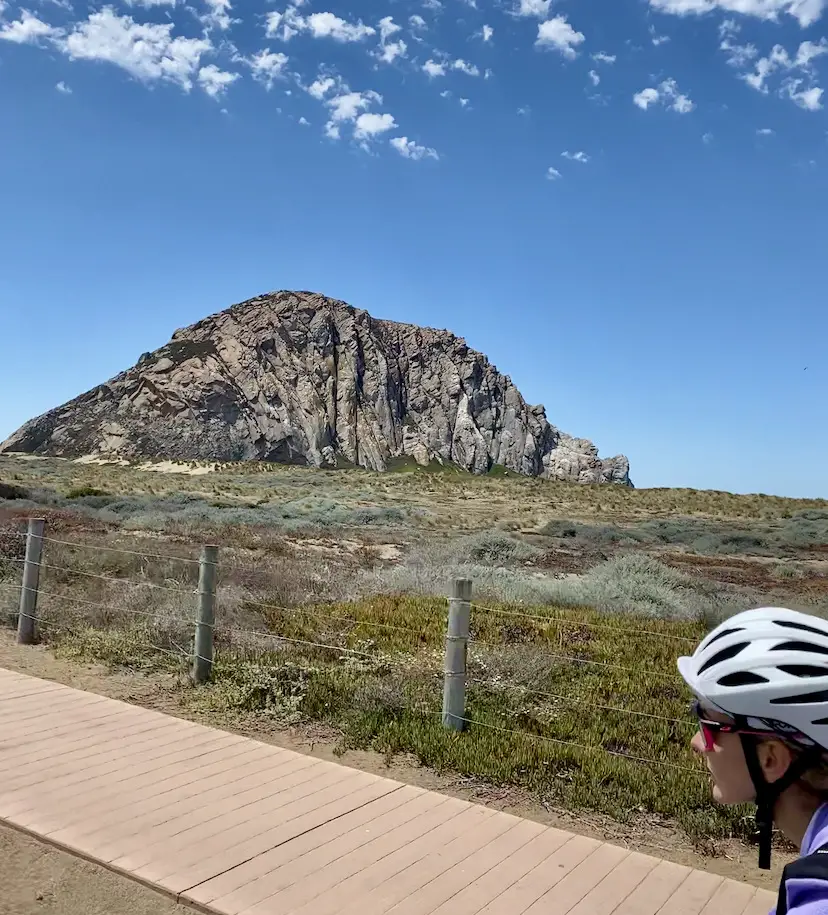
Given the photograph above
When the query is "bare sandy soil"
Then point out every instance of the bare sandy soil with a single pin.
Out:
(36, 879)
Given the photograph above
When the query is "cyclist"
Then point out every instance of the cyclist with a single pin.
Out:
(761, 685)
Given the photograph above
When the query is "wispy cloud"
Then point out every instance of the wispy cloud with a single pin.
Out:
(408, 149)
(806, 12)
(666, 94)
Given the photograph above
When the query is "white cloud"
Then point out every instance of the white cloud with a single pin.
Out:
(217, 15)
(602, 58)
(283, 25)
(463, 102)
(594, 77)
(370, 125)
(215, 81)
(486, 33)
(146, 51)
(809, 97)
(146, 4)
(707, 138)
(645, 98)
(417, 23)
(765, 132)
(28, 29)
(392, 50)
(291, 22)
(539, 8)
(581, 157)
(433, 68)
(408, 149)
(806, 12)
(389, 51)
(432, 5)
(320, 87)
(304, 121)
(524, 111)
(326, 25)
(559, 35)
(808, 51)
(63, 88)
(667, 94)
(346, 107)
(737, 54)
(552, 174)
(656, 38)
(267, 66)
(682, 104)
(464, 67)
(388, 27)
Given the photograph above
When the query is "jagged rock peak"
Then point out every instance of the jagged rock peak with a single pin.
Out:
(298, 377)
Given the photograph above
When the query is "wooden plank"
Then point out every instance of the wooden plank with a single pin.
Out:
(243, 828)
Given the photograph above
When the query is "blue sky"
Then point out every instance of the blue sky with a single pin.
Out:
(623, 204)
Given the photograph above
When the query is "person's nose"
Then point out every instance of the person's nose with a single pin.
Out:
(697, 744)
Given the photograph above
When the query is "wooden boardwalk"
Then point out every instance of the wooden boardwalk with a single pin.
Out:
(238, 826)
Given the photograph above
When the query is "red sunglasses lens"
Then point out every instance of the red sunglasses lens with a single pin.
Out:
(708, 735)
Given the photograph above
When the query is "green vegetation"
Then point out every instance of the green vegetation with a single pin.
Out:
(525, 696)
(332, 608)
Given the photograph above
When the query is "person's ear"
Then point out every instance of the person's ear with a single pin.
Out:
(775, 757)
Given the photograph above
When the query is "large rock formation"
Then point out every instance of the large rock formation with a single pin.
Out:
(301, 378)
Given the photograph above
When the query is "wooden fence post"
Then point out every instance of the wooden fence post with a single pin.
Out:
(26, 630)
(205, 624)
(454, 669)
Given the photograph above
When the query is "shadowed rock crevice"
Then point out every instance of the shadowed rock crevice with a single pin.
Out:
(297, 377)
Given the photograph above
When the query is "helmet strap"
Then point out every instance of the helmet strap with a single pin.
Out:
(768, 794)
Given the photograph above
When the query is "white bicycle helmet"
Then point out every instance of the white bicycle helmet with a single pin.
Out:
(767, 669)
(770, 666)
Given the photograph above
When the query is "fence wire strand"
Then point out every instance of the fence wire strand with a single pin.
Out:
(573, 700)
(572, 660)
(117, 581)
(183, 655)
(579, 746)
(327, 616)
(553, 620)
(166, 557)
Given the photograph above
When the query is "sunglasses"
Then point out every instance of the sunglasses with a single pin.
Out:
(711, 729)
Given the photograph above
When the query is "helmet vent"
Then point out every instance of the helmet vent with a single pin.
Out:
(802, 699)
(741, 678)
(724, 655)
(801, 646)
(705, 645)
(791, 625)
(803, 670)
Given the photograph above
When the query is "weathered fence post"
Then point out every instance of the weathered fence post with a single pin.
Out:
(454, 669)
(31, 576)
(207, 573)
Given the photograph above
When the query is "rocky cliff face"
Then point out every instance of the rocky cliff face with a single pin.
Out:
(301, 378)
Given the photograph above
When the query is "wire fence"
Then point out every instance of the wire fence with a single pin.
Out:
(205, 637)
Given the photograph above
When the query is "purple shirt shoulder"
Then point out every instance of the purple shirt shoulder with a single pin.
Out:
(809, 895)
